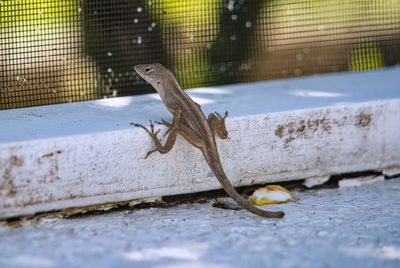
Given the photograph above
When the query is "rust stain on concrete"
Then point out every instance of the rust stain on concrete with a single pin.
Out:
(7, 186)
(49, 161)
(363, 119)
(306, 128)
(279, 131)
(51, 154)
(47, 155)
(16, 161)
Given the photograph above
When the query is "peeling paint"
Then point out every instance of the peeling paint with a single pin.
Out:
(15, 161)
(363, 119)
(50, 163)
(7, 186)
(47, 155)
(289, 140)
(51, 154)
(279, 131)
(304, 128)
(293, 130)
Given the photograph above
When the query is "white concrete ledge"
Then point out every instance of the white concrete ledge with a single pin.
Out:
(82, 154)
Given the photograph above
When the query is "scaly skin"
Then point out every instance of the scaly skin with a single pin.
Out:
(190, 122)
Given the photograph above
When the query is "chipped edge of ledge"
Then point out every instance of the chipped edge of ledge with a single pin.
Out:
(116, 150)
(311, 183)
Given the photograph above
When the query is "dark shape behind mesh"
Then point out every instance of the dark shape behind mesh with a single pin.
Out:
(65, 51)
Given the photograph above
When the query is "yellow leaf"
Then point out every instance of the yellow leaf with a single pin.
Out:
(271, 194)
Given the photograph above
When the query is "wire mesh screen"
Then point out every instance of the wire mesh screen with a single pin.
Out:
(75, 50)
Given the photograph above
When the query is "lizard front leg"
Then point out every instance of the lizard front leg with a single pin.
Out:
(217, 124)
(173, 131)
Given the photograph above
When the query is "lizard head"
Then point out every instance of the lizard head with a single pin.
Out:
(162, 79)
(152, 73)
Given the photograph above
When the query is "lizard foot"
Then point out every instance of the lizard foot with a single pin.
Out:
(153, 134)
(222, 117)
(167, 124)
(217, 123)
(151, 131)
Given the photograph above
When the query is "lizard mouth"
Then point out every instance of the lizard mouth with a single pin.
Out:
(139, 70)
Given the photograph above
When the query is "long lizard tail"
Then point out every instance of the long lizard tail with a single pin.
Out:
(218, 171)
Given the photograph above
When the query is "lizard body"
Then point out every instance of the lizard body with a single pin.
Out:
(190, 122)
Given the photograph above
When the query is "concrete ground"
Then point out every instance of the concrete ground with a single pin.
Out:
(343, 227)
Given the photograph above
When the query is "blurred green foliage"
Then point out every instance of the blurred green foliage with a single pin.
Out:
(366, 56)
(37, 12)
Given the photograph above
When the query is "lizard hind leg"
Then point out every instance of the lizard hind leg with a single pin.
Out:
(217, 123)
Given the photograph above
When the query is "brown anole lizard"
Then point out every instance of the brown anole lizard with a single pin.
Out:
(190, 122)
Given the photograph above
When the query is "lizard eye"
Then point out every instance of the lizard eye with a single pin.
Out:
(147, 69)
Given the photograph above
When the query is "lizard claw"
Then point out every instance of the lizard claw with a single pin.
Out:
(136, 125)
(139, 125)
(149, 153)
(165, 123)
(151, 131)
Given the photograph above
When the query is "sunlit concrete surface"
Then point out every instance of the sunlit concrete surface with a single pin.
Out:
(244, 99)
(347, 227)
(83, 154)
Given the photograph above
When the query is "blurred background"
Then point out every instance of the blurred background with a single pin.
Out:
(75, 50)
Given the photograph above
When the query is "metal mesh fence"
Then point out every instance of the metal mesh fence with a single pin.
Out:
(75, 50)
